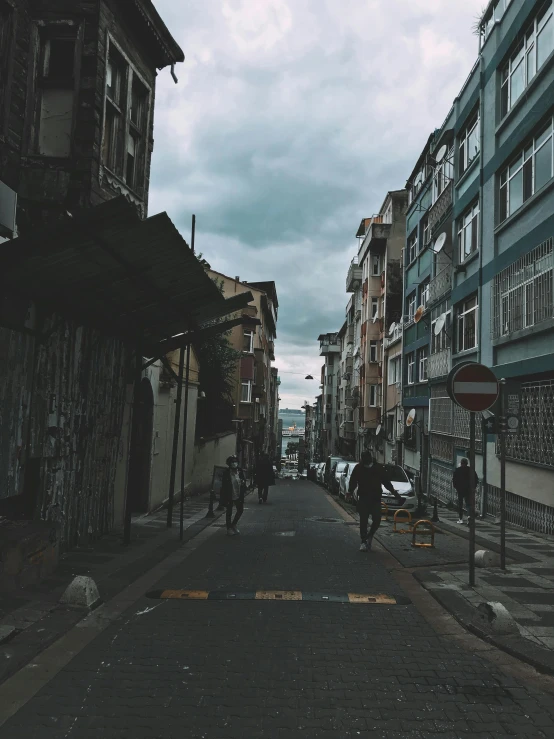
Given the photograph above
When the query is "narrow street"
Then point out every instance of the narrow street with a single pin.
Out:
(239, 665)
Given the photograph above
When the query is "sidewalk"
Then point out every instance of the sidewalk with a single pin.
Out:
(31, 618)
(525, 588)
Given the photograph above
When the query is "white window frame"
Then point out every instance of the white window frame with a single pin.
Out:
(466, 314)
(394, 369)
(469, 138)
(248, 332)
(374, 307)
(248, 385)
(524, 59)
(442, 341)
(520, 290)
(423, 355)
(373, 351)
(524, 167)
(468, 233)
(424, 293)
(372, 396)
(412, 305)
(129, 130)
(410, 362)
(375, 265)
(425, 233)
(412, 247)
(443, 175)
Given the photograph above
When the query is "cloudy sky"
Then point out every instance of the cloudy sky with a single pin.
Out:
(290, 122)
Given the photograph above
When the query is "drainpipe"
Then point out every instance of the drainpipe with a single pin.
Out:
(481, 246)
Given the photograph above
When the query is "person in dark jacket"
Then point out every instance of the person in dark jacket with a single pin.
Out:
(233, 489)
(462, 485)
(265, 477)
(368, 477)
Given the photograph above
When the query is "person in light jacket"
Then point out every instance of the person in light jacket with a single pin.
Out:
(233, 489)
(368, 477)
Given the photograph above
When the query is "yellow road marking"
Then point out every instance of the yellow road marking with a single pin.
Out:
(279, 595)
(186, 594)
(363, 598)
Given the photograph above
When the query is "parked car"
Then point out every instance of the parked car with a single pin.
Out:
(345, 478)
(320, 472)
(334, 479)
(331, 461)
(401, 483)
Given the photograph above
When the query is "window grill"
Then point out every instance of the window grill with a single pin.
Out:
(441, 448)
(535, 441)
(522, 294)
(442, 488)
(521, 511)
(445, 417)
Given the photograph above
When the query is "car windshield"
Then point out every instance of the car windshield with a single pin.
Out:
(341, 466)
(395, 473)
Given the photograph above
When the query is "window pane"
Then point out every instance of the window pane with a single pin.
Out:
(531, 64)
(516, 192)
(503, 214)
(60, 56)
(504, 99)
(543, 135)
(527, 179)
(517, 83)
(543, 165)
(56, 120)
(545, 43)
(473, 144)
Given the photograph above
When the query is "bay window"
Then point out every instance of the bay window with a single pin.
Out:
(373, 356)
(467, 325)
(527, 58)
(527, 173)
(468, 232)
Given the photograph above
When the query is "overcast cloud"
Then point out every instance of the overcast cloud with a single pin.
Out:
(291, 121)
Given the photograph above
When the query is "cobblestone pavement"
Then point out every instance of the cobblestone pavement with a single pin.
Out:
(31, 618)
(264, 668)
(525, 588)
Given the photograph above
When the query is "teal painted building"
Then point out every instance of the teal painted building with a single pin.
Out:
(491, 286)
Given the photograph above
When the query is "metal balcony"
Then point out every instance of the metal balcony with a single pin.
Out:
(440, 207)
(354, 276)
(350, 334)
(440, 285)
(439, 364)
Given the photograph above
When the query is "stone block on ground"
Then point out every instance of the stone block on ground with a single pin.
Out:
(81, 593)
(494, 618)
(485, 558)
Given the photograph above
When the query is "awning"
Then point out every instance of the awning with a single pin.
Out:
(125, 276)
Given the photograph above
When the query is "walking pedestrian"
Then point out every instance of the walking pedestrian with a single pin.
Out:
(461, 480)
(233, 489)
(265, 477)
(368, 477)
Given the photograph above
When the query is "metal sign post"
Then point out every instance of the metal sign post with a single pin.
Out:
(510, 419)
(474, 387)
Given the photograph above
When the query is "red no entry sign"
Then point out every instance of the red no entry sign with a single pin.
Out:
(472, 386)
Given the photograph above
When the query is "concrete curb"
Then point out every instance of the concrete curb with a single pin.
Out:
(516, 646)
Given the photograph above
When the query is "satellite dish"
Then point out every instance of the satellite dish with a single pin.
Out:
(378, 430)
(419, 314)
(375, 318)
(439, 243)
(410, 418)
(439, 324)
(440, 154)
(392, 328)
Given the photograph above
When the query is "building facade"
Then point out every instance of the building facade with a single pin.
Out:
(329, 347)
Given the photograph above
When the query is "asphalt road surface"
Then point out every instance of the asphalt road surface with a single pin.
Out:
(265, 636)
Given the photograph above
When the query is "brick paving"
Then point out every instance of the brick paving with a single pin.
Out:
(249, 669)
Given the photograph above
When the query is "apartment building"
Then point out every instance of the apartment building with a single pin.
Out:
(329, 347)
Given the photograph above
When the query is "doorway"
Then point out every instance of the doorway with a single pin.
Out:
(140, 461)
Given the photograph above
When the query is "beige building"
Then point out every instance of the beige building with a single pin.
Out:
(255, 393)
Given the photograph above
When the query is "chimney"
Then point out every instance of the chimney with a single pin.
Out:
(237, 278)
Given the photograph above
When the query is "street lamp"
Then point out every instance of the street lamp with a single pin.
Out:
(308, 377)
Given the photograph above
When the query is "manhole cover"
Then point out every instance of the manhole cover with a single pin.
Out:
(285, 533)
(320, 519)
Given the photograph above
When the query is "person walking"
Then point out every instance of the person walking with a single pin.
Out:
(461, 480)
(368, 477)
(233, 488)
(265, 477)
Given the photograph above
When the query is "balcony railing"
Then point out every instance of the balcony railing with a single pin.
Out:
(440, 207)
(439, 364)
(441, 284)
(354, 276)
(350, 334)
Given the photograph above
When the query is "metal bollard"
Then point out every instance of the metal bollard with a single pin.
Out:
(435, 517)
(429, 531)
(210, 513)
(406, 518)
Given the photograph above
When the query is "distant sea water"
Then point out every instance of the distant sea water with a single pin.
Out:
(289, 419)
